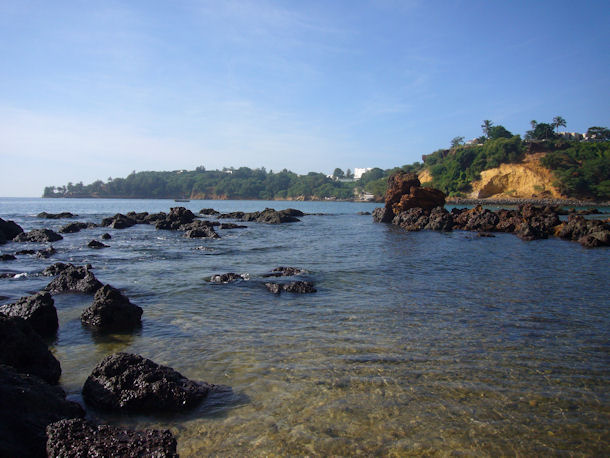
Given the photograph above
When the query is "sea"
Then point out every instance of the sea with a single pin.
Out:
(415, 343)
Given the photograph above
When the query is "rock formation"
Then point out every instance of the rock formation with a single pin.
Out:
(38, 311)
(111, 311)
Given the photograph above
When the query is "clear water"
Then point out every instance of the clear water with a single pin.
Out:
(415, 343)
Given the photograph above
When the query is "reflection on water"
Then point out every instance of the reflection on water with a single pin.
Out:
(415, 343)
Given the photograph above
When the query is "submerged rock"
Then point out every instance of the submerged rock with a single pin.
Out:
(271, 216)
(229, 277)
(128, 382)
(7, 257)
(27, 406)
(38, 235)
(208, 212)
(301, 287)
(81, 438)
(72, 228)
(111, 311)
(106, 236)
(119, 221)
(38, 311)
(61, 215)
(22, 348)
(285, 272)
(96, 244)
(74, 279)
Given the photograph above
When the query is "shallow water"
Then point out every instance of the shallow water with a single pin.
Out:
(415, 343)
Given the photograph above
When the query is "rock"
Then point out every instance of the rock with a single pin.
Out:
(413, 219)
(208, 212)
(476, 219)
(81, 438)
(38, 311)
(9, 230)
(22, 348)
(111, 311)
(405, 192)
(383, 215)
(232, 215)
(578, 228)
(119, 221)
(203, 232)
(7, 257)
(285, 272)
(61, 215)
(155, 217)
(232, 226)
(27, 406)
(139, 218)
(271, 216)
(128, 382)
(46, 253)
(38, 235)
(181, 214)
(439, 220)
(55, 269)
(229, 277)
(595, 239)
(74, 279)
(106, 236)
(364, 213)
(74, 227)
(291, 212)
(96, 244)
(301, 287)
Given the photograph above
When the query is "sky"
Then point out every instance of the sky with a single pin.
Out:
(93, 90)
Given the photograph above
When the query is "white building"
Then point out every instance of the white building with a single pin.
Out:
(358, 172)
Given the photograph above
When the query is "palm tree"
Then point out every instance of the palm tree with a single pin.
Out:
(486, 126)
(558, 121)
(533, 123)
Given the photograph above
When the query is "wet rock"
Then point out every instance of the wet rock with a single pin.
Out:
(485, 235)
(404, 192)
(232, 226)
(232, 215)
(46, 253)
(81, 438)
(208, 212)
(77, 226)
(111, 311)
(26, 252)
(271, 216)
(439, 220)
(38, 311)
(301, 287)
(119, 221)
(509, 220)
(413, 219)
(476, 219)
(128, 382)
(203, 232)
(155, 217)
(577, 228)
(181, 214)
(9, 230)
(55, 269)
(139, 218)
(364, 213)
(383, 215)
(27, 406)
(22, 348)
(74, 279)
(595, 239)
(106, 236)
(7, 257)
(96, 244)
(61, 215)
(229, 277)
(38, 235)
(285, 272)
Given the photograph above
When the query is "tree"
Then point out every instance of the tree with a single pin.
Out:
(338, 173)
(542, 131)
(533, 123)
(499, 132)
(486, 126)
(558, 122)
(457, 141)
(598, 133)
(349, 174)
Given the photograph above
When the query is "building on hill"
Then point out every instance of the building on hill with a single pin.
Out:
(358, 172)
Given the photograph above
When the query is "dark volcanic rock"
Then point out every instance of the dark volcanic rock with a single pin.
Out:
(232, 215)
(285, 272)
(96, 244)
(74, 279)
(203, 232)
(7, 257)
(56, 269)
(383, 215)
(209, 212)
(38, 235)
(38, 311)
(274, 288)
(128, 382)
(27, 406)
(440, 220)
(46, 253)
(56, 215)
(476, 219)
(229, 277)
(22, 348)
(119, 221)
(106, 236)
(413, 219)
(405, 192)
(9, 230)
(77, 226)
(139, 218)
(111, 311)
(80, 438)
(181, 214)
(271, 216)
(300, 287)
(232, 226)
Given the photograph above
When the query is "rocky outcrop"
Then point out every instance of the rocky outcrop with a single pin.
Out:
(119, 221)
(27, 406)
(95, 244)
(111, 311)
(405, 192)
(38, 311)
(285, 272)
(232, 226)
(61, 215)
(22, 348)
(38, 235)
(271, 216)
(128, 382)
(76, 226)
(106, 236)
(81, 438)
(300, 287)
(9, 230)
(589, 233)
(74, 279)
(229, 277)
(209, 212)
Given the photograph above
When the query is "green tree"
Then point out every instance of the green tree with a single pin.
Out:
(498, 132)
(558, 122)
(338, 173)
(457, 141)
(349, 174)
(486, 126)
(598, 133)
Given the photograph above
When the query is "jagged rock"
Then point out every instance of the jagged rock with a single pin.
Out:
(38, 311)
(38, 235)
(364, 213)
(595, 239)
(383, 215)
(155, 217)
(55, 269)
(301, 287)
(22, 348)
(413, 219)
(285, 272)
(74, 279)
(9, 230)
(80, 438)
(577, 228)
(476, 219)
(46, 253)
(27, 406)
(111, 311)
(128, 382)
(96, 244)
(405, 192)
(139, 218)
(119, 221)
(7, 257)
(229, 277)
(439, 220)
(271, 216)
(232, 226)
(203, 232)
(208, 212)
(232, 215)
(61, 215)
(106, 236)
(76, 226)
(181, 214)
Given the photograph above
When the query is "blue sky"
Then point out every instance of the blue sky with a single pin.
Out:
(91, 90)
